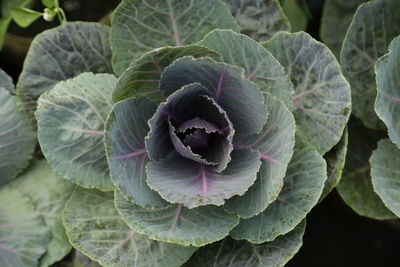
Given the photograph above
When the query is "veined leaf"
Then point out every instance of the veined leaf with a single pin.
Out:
(181, 180)
(374, 25)
(143, 75)
(17, 139)
(303, 185)
(230, 252)
(178, 224)
(259, 19)
(23, 233)
(71, 120)
(6, 82)
(139, 26)
(385, 173)
(48, 192)
(322, 94)
(336, 19)
(387, 103)
(275, 144)
(259, 64)
(95, 228)
(60, 54)
(127, 157)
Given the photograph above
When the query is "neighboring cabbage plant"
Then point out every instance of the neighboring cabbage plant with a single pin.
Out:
(373, 27)
(206, 146)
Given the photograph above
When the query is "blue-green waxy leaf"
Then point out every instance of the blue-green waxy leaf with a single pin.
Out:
(143, 75)
(322, 95)
(71, 120)
(126, 129)
(23, 233)
(304, 181)
(48, 192)
(139, 26)
(385, 173)
(374, 25)
(259, 19)
(17, 139)
(178, 224)
(226, 84)
(95, 228)
(275, 144)
(387, 104)
(184, 106)
(230, 252)
(335, 160)
(336, 18)
(355, 188)
(259, 64)
(181, 180)
(6, 82)
(59, 54)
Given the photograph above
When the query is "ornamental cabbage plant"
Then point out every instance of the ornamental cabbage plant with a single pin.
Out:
(185, 140)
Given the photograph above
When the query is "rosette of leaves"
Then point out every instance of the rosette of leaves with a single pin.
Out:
(207, 134)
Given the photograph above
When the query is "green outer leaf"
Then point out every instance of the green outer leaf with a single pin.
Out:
(177, 224)
(387, 103)
(297, 13)
(181, 180)
(304, 182)
(143, 75)
(50, 3)
(335, 160)
(385, 173)
(374, 25)
(226, 84)
(259, 19)
(322, 94)
(6, 5)
(357, 192)
(71, 120)
(126, 129)
(48, 192)
(336, 18)
(6, 82)
(59, 54)
(95, 228)
(139, 26)
(275, 144)
(355, 188)
(24, 16)
(17, 139)
(259, 64)
(23, 233)
(229, 252)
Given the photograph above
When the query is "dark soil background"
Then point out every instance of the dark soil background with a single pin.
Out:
(335, 235)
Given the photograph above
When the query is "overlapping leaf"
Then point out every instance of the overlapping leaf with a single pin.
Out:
(17, 139)
(259, 19)
(139, 26)
(48, 192)
(322, 94)
(275, 144)
(387, 104)
(229, 252)
(385, 173)
(6, 82)
(304, 182)
(143, 75)
(374, 25)
(71, 120)
(23, 233)
(59, 54)
(259, 64)
(95, 228)
(127, 157)
(178, 224)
